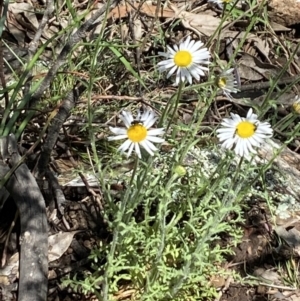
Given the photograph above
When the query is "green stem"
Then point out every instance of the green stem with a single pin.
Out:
(279, 76)
(179, 94)
(115, 241)
(285, 121)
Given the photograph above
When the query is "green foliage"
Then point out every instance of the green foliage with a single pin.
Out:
(165, 231)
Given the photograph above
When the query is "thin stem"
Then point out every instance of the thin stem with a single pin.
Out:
(179, 94)
(117, 231)
(279, 76)
(285, 121)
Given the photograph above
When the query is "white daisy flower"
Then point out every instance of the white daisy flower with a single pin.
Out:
(219, 3)
(243, 133)
(185, 60)
(137, 133)
(227, 83)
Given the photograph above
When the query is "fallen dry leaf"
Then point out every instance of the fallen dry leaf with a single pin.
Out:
(278, 27)
(269, 276)
(251, 68)
(121, 11)
(261, 46)
(21, 21)
(59, 244)
(201, 24)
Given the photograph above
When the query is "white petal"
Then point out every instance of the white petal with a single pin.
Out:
(166, 64)
(225, 136)
(148, 146)
(226, 130)
(155, 139)
(172, 71)
(130, 150)
(137, 150)
(239, 149)
(125, 145)
(196, 46)
(151, 119)
(190, 78)
(127, 118)
(156, 132)
(165, 54)
(176, 48)
(120, 137)
(228, 143)
(118, 131)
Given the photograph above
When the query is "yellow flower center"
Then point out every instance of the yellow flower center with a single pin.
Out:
(222, 82)
(137, 132)
(226, 1)
(183, 58)
(296, 107)
(245, 129)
